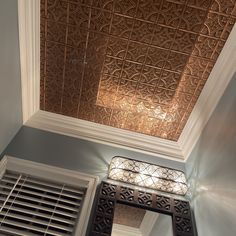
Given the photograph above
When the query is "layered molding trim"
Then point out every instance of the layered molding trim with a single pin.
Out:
(90, 182)
(105, 134)
(29, 31)
(222, 73)
(29, 39)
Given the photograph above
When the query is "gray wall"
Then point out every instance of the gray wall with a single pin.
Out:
(10, 87)
(72, 153)
(212, 170)
(163, 226)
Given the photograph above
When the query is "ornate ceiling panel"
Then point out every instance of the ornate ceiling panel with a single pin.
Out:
(138, 65)
(129, 216)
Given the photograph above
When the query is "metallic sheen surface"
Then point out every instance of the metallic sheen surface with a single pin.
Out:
(138, 65)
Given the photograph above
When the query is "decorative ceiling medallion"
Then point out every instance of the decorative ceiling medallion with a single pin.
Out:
(147, 175)
(135, 65)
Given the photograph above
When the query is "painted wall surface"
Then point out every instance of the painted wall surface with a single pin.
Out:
(212, 170)
(72, 153)
(10, 83)
(163, 226)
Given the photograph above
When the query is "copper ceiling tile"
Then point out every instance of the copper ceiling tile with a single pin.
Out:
(226, 7)
(204, 4)
(56, 10)
(72, 83)
(54, 59)
(163, 36)
(96, 50)
(184, 41)
(112, 66)
(129, 216)
(183, 100)
(137, 65)
(176, 61)
(125, 7)
(121, 26)
(193, 19)
(103, 4)
(150, 75)
(148, 10)
(196, 66)
(85, 2)
(131, 71)
(118, 118)
(100, 20)
(79, 15)
(142, 31)
(144, 92)
(76, 36)
(163, 96)
(102, 115)
(106, 98)
(56, 32)
(156, 57)
(218, 50)
(170, 14)
(134, 122)
(217, 26)
(127, 88)
(136, 52)
(205, 47)
(90, 86)
(109, 83)
(123, 102)
(188, 84)
(86, 111)
(43, 7)
(117, 47)
(169, 80)
(53, 94)
(42, 30)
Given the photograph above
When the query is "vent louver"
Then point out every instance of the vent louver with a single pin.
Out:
(32, 206)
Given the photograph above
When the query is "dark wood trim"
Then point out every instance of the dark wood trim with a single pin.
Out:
(110, 194)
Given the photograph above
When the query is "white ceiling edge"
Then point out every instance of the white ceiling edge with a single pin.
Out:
(29, 34)
(104, 134)
(29, 42)
(221, 75)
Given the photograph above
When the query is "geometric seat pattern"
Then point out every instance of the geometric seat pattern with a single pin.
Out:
(138, 65)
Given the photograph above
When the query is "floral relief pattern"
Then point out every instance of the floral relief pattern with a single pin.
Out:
(139, 65)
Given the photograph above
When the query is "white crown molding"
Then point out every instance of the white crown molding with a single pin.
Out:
(105, 134)
(74, 178)
(213, 90)
(29, 34)
(29, 42)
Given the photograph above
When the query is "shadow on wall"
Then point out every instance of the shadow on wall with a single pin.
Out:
(73, 153)
(211, 170)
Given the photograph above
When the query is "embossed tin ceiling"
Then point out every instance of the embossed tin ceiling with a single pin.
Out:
(129, 216)
(139, 65)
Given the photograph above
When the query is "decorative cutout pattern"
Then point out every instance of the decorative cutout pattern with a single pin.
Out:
(104, 211)
(156, 54)
(126, 194)
(163, 203)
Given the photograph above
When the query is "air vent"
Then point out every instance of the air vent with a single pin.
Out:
(33, 206)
